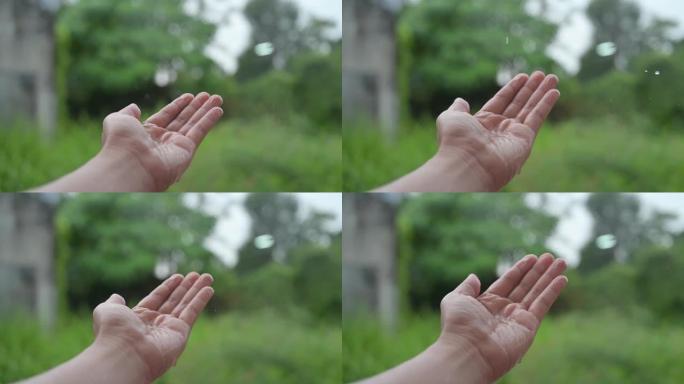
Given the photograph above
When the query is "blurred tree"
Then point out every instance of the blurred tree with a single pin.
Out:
(459, 48)
(619, 229)
(130, 50)
(659, 87)
(277, 227)
(453, 235)
(116, 241)
(620, 27)
(278, 34)
(322, 104)
(660, 271)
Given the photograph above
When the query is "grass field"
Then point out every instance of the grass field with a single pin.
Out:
(571, 348)
(260, 156)
(264, 347)
(567, 157)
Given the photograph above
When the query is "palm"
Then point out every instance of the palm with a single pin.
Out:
(501, 134)
(502, 321)
(166, 143)
(158, 327)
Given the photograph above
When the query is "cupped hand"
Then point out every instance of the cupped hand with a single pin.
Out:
(500, 324)
(157, 329)
(498, 139)
(164, 144)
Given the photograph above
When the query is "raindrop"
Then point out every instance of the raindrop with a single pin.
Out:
(263, 241)
(607, 241)
(508, 40)
(606, 49)
(657, 73)
(263, 49)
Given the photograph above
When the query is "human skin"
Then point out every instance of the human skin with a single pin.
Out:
(146, 156)
(484, 151)
(137, 345)
(484, 335)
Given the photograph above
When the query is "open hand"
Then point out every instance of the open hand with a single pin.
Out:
(498, 139)
(500, 324)
(165, 143)
(157, 329)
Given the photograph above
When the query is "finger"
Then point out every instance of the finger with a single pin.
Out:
(159, 294)
(536, 118)
(541, 305)
(550, 82)
(196, 305)
(116, 299)
(178, 293)
(131, 110)
(213, 101)
(200, 130)
(169, 112)
(204, 281)
(531, 278)
(524, 94)
(469, 287)
(185, 115)
(460, 105)
(555, 270)
(500, 101)
(511, 278)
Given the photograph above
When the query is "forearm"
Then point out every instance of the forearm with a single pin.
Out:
(108, 171)
(441, 363)
(100, 363)
(444, 173)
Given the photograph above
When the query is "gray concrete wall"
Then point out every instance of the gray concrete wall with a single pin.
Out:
(369, 57)
(27, 79)
(27, 248)
(369, 255)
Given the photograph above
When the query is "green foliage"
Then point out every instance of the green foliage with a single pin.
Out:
(115, 242)
(660, 271)
(596, 154)
(260, 347)
(459, 47)
(28, 159)
(453, 236)
(237, 156)
(597, 347)
(116, 48)
(659, 87)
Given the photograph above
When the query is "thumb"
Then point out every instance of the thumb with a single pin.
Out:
(460, 105)
(469, 287)
(131, 110)
(116, 299)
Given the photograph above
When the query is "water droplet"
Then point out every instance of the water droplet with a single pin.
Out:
(606, 49)
(657, 73)
(264, 49)
(507, 40)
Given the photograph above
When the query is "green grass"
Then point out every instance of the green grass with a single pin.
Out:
(259, 156)
(264, 347)
(567, 157)
(572, 348)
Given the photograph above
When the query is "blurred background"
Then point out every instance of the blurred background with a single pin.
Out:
(618, 321)
(66, 64)
(275, 258)
(619, 125)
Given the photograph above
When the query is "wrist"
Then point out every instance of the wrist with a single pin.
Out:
(467, 172)
(117, 362)
(466, 358)
(125, 170)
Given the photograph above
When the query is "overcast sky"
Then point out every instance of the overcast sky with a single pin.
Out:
(232, 36)
(233, 223)
(575, 36)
